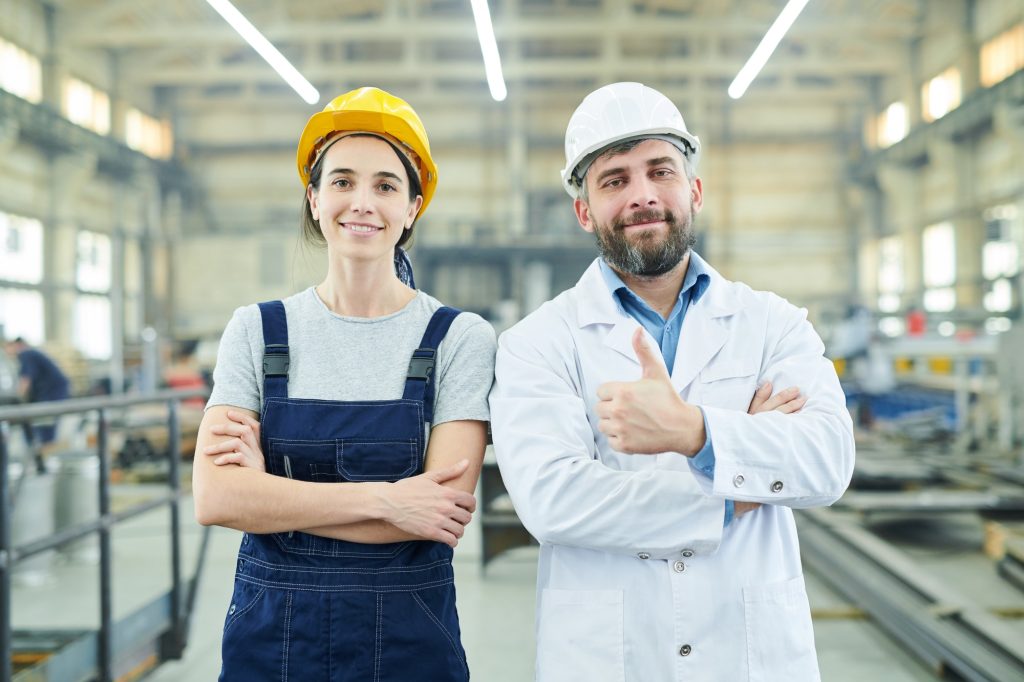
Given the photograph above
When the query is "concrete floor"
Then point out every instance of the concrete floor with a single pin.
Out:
(496, 609)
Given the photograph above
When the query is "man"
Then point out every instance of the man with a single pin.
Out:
(619, 414)
(39, 379)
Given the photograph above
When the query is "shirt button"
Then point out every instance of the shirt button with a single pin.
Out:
(737, 480)
(679, 567)
(643, 555)
(685, 650)
(687, 553)
(776, 486)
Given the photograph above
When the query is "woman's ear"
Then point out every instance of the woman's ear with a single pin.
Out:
(314, 202)
(414, 210)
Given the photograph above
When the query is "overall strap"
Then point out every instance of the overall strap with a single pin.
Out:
(419, 382)
(275, 350)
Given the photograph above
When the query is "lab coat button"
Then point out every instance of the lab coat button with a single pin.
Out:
(776, 486)
(737, 480)
(679, 567)
(685, 650)
(687, 553)
(643, 555)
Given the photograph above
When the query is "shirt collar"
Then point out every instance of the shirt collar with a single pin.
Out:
(697, 279)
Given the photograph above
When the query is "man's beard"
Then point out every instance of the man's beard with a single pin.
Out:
(646, 254)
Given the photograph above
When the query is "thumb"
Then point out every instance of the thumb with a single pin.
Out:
(651, 365)
(448, 473)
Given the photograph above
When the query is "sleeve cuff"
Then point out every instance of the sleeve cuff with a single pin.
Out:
(704, 460)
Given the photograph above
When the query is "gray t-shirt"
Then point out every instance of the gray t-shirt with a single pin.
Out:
(333, 357)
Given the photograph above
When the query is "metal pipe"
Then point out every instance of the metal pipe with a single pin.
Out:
(106, 638)
(80, 530)
(174, 453)
(56, 408)
(6, 564)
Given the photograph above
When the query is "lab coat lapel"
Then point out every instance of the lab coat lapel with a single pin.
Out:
(701, 337)
(597, 306)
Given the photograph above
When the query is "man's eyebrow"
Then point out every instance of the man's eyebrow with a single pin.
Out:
(609, 171)
(661, 160)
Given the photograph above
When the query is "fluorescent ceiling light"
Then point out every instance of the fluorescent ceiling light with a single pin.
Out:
(266, 50)
(489, 48)
(764, 50)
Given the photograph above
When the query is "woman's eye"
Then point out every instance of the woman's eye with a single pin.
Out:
(341, 182)
(386, 187)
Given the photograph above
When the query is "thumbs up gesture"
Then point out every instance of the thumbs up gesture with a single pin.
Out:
(648, 416)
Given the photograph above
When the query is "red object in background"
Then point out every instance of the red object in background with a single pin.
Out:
(916, 323)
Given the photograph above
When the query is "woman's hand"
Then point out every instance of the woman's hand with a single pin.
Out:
(243, 446)
(787, 401)
(421, 506)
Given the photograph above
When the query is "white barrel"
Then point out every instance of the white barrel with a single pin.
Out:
(78, 475)
(32, 519)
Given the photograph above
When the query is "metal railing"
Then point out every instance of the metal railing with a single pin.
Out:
(173, 642)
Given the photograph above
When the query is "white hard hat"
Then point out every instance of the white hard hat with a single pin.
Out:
(619, 112)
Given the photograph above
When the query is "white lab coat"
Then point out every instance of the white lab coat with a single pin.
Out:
(638, 580)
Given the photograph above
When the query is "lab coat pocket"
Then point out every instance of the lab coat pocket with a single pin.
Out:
(780, 637)
(730, 384)
(580, 636)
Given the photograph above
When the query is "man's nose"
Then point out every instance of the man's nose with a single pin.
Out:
(643, 195)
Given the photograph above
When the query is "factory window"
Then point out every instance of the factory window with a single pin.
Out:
(1000, 256)
(892, 125)
(1002, 56)
(90, 321)
(87, 106)
(147, 134)
(93, 267)
(20, 72)
(890, 274)
(21, 249)
(21, 314)
(941, 94)
(938, 245)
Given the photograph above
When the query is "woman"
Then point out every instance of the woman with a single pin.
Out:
(314, 440)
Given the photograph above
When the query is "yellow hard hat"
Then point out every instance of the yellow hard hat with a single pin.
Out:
(370, 110)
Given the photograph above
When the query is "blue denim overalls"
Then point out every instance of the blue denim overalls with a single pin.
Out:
(307, 608)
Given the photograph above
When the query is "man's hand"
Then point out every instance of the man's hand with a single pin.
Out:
(786, 401)
(648, 416)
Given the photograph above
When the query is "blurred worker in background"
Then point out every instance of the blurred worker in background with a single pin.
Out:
(626, 435)
(39, 380)
(314, 441)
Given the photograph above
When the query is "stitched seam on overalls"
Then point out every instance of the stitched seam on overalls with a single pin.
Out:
(377, 647)
(255, 600)
(442, 628)
(327, 552)
(320, 571)
(287, 635)
(350, 588)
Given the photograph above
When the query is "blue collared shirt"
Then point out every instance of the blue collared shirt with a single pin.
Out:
(666, 332)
